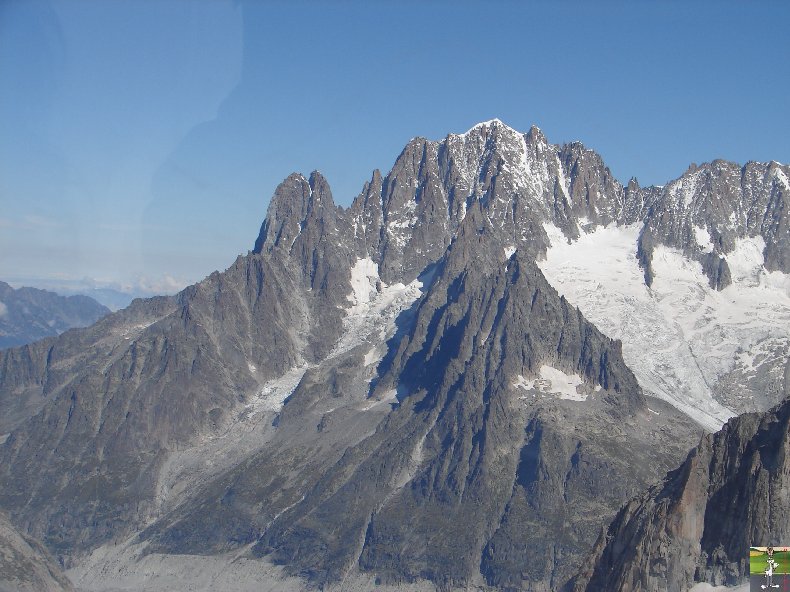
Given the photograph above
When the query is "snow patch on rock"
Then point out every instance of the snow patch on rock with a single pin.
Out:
(781, 178)
(274, 393)
(364, 275)
(375, 306)
(702, 236)
(553, 382)
(556, 236)
(482, 124)
(684, 190)
(746, 260)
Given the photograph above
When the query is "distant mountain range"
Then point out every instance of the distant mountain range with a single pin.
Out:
(30, 314)
(113, 296)
(454, 384)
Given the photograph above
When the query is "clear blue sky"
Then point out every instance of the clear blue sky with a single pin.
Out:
(140, 141)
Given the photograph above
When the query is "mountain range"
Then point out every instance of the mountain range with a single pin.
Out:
(454, 383)
(29, 314)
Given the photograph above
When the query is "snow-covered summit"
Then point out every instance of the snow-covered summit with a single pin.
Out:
(491, 123)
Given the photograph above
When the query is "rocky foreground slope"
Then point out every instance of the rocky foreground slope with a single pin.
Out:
(391, 392)
(732, 492)
(25, 565)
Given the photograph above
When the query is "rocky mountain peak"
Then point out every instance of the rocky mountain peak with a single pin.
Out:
(297, 204)
(594, 193)
(485, 128)
(520, 180)
(287, 210)
(523, 183)
(536, 136)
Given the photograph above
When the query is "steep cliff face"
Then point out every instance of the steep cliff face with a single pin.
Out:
(698, 525)
(408, 218)
(98, 412)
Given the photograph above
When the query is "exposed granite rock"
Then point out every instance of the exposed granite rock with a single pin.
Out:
(97, 412)
(460, 442)
(698, 525)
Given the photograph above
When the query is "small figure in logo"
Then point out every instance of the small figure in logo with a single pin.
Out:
(769, 570)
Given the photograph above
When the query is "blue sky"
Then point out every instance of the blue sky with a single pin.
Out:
(141, 140)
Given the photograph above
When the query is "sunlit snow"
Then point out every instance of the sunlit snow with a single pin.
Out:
(746, 260)
(679, 336)
(482, 124)
(685, 188)
(375, 306)
(782, 178)
(703, 239)
(554, 382)
(363, 282)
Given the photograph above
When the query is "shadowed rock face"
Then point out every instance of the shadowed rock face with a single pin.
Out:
(30, 314)
(25, 565)
(697, 526)
(521, 467)
(367, 390)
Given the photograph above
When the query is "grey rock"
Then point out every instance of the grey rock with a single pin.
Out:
(698, 525)
(26, 565)
(406, 220)
(98, 411)
(758, 385)
(594, 192)
(397, 503)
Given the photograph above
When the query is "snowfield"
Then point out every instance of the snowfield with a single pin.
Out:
(553, 382)
(680, 335)
(374, 308)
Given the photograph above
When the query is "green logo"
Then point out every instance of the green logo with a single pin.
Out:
(769, 568)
